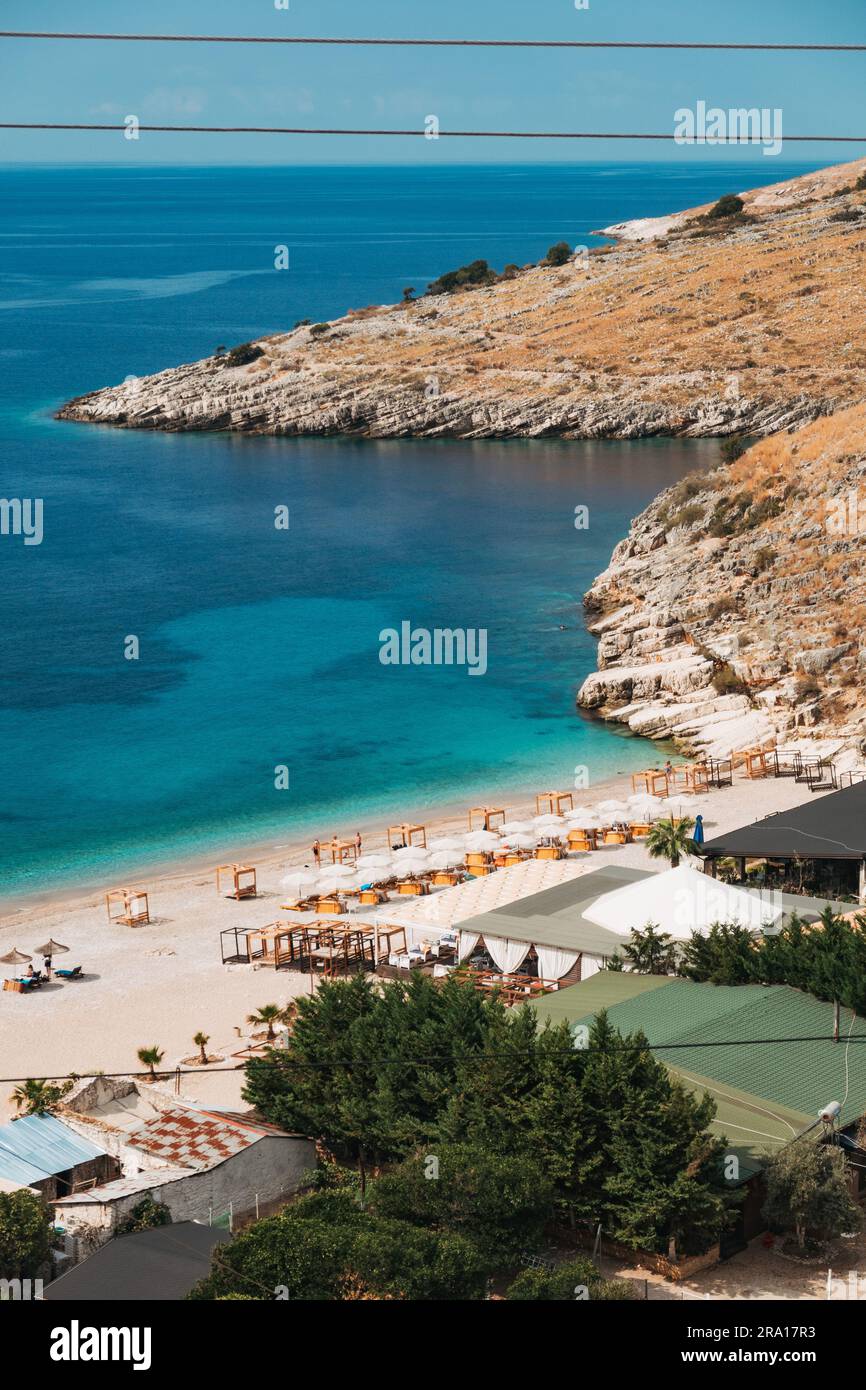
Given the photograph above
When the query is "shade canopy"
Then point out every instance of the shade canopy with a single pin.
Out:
(15, 957)
(51, 948)
(680, 901)
(299, 881)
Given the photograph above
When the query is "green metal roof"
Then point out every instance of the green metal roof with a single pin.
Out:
(766, 1092)
(554, 917)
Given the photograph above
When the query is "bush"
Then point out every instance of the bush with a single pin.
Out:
(242, 354)
(726, 604)
(765, 559)
(145, 1216)
(560, 254)
(728, 206)
(687, 516)
(734, 447)
(579, 1279)
(25, 1234)
(727, 682)
(466, 277)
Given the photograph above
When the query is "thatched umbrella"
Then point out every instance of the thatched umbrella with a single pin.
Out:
(51, 948)
(15, 957)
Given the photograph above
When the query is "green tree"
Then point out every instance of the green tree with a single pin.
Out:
(25, 1235)
(651, 951)
(499, 1204)
(323, 1243)
(36, 1097)
(201, 1041)
(728, 954)
(727, 206)
(808, 1192)
(150, 1057)
(670, 839)
(559, 254)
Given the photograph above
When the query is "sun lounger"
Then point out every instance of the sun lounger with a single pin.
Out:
(72, 973)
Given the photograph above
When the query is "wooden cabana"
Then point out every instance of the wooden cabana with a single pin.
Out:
(341, 851)
(690, 777)
(653, 781)
(243, 880)
(407, 835)
(333, 949)
(754, 762)
(128, 905)
(554, 803)
(487, 816)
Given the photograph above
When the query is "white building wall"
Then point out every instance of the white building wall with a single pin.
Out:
(271, 1169)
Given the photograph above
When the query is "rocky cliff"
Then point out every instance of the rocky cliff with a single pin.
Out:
(707, 326)
(732, 613)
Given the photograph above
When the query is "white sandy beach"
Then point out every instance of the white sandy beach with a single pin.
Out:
(161, 983)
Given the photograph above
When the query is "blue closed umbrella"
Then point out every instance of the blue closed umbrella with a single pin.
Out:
(698, 832)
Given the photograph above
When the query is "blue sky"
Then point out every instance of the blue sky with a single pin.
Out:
(216, 84)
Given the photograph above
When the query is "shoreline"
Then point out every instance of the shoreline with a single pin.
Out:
(294, 851)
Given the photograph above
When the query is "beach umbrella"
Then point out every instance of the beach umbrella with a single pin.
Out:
(548, 821)
(482, 840)
(51, 948)
(517, 827)
(374, 861)
(329, 883)
(613, 806)
(521, 841)
(445, 859)
(339, 870)
(299, 882)
(698, 831)
(15, 957)
(410, 852)
(449, 842)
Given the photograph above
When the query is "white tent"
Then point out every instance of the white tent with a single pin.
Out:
(679, 902)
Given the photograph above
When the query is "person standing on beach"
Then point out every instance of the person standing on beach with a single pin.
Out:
(317, 853)
(357, 843)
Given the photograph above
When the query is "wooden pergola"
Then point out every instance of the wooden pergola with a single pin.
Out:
(487, 815)
(332, 949)
(691, 777)
(754, 761)
(341, 851)
(407, 835)
(128, 905)
(653, 781)
(553, 803)
(243, 880)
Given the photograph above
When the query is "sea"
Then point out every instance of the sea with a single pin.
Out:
(182, 678)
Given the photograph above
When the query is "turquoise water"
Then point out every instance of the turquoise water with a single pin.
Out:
(260, 648)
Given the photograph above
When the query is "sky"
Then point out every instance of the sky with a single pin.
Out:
(513, 89)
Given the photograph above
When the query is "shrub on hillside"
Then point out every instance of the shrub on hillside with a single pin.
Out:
(727, 206)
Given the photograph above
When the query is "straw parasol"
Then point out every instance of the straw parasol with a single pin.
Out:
(481, 840)
(51, 948)
(15, 957)
(517, 827)
(374, 861)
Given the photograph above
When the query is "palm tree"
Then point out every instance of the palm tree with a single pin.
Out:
(150, 1057)
(651, 952)
(668, 839)
(268, 1014)
(201, 1041)
(36, 1097)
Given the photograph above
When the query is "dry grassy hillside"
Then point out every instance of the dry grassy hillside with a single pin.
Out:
(753, 322)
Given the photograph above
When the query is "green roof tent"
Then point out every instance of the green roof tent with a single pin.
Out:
(714, 1038)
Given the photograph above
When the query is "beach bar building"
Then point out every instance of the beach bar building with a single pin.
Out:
(819, 847)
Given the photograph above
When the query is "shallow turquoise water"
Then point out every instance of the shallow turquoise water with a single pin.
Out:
(260, 647)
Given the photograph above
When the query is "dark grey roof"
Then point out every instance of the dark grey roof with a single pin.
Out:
(554, 917)
(825, 827)
(161, 1264)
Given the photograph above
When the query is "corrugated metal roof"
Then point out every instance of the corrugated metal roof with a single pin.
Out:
(765, 1092)
(39, 1146)
(125, 1187)
(829, 827)
(193, 1139)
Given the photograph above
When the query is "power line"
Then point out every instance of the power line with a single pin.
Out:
(445, 43)
(406, 1061)
(419, 132)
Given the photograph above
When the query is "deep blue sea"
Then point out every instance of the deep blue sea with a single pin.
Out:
(260, 647)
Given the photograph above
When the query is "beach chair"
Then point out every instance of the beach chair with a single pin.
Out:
(70, 973)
